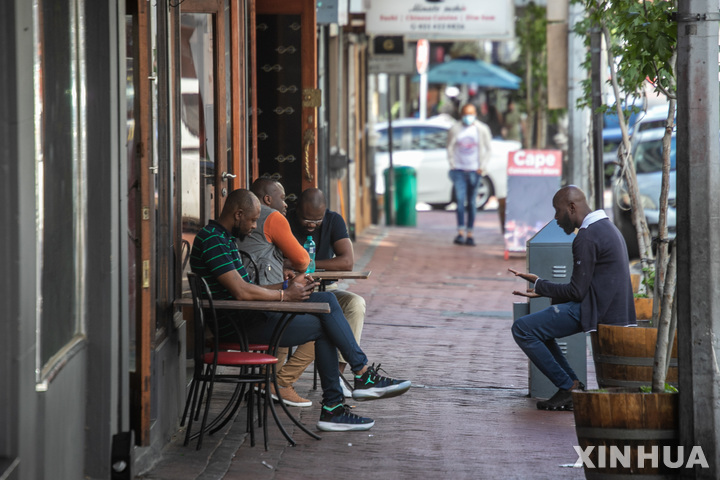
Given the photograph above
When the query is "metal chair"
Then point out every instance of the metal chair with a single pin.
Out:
(249, 366)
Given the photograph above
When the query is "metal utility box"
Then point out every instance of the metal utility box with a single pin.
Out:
(549, 255)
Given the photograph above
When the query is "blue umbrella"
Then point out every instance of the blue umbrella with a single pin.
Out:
(461, 72)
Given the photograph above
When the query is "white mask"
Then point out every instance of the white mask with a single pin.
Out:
(468, 119)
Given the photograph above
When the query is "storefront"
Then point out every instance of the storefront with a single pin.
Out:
(124, 127)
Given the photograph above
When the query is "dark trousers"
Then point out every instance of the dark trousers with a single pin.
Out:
(329, 331)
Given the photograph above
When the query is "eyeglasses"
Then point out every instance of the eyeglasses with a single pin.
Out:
(314, 223)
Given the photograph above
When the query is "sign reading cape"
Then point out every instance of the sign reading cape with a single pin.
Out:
(533, 179)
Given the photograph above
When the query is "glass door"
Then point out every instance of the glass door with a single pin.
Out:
(204, 119)
(197, 125)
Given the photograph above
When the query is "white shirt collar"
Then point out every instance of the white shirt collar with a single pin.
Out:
(593, 217)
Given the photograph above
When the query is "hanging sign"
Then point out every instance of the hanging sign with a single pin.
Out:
(441, 20)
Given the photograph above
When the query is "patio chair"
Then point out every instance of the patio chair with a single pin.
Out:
(249, 367)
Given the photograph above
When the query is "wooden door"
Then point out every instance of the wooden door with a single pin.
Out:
(285, 96)
(141, 214)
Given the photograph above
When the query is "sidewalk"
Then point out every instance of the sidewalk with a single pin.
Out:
(438, 314)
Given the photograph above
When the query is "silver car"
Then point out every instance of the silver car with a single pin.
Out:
(646, 148)
(421, 144)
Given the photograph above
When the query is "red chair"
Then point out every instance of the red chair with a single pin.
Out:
(252, 368)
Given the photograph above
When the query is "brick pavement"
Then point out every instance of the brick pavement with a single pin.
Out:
(438, 314)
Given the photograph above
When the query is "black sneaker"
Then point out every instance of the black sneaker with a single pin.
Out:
(562, 400)
(340, 419)
(459, 240)
(371, 386)
(470, 241)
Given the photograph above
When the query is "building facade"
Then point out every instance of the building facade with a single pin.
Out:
(123, 127)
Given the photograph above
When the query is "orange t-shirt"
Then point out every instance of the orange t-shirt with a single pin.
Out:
(277, 231)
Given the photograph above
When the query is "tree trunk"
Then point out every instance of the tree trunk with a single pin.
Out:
(662, 240)
(628, 169)
(664, 335)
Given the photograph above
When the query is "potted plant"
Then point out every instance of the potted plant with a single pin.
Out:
(642, 46)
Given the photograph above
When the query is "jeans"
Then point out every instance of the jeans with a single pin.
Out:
(535, 334)
(466, 189)
(353, 307)
(329, 331)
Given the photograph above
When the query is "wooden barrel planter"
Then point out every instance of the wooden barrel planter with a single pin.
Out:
(624, 356)
(643, 308)
(615, 423)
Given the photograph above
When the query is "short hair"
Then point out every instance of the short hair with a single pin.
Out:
(240, 199)
(263, 186)
(468, 105)
(313, 198)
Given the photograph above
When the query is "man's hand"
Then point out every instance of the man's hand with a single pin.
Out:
(530, 293)
(300, 288)
(530, 277)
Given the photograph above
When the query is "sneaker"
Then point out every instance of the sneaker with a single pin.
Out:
(470, 241)
(371, 386)
(562, 400)
(459, 240)
(346, 388)
(290, 397)
(340, 419)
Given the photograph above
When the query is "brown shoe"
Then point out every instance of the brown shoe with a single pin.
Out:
(290, 397)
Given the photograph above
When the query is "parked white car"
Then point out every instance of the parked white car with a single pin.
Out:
(421, 144)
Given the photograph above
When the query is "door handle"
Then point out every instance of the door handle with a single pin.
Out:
(226, 175)
(308, 139)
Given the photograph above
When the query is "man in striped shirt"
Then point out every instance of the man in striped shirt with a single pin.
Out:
(215, 257)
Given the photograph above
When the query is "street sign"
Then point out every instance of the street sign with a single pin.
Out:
(388, 45)
(392, 63)
(533, 178)
(422, 56)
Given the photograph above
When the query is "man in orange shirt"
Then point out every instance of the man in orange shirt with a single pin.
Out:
(271, 246)
(268, 251)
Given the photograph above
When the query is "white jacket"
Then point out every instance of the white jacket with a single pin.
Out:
(484, 140)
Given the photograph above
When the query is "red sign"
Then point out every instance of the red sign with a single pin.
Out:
(535, 163)
(422, 56)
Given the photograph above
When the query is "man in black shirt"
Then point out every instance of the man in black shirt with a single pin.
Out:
(333, 251)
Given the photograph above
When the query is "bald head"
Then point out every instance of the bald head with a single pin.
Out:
(313, 198)
(311, 209)
(571, 208)
(570, 194)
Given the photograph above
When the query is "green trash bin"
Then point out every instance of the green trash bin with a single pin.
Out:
(405, 196)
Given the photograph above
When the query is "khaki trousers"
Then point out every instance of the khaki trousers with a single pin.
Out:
(353, 307)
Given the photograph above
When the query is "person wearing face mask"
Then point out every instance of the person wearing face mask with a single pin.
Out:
(468, 147)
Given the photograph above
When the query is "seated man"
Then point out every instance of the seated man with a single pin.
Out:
(271, 245)
(215, 258)
(599, 292)
(333, 251)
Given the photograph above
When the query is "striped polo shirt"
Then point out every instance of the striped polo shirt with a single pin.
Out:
(214, 252)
